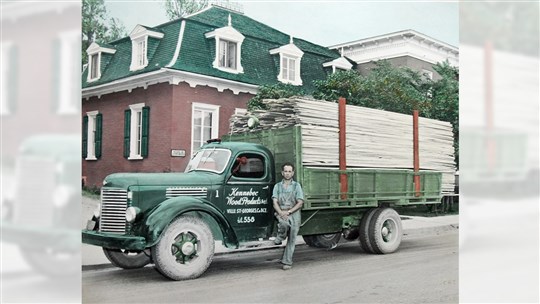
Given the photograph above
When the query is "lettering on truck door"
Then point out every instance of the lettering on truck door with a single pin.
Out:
(247, 201)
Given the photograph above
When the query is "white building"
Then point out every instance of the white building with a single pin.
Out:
(403, 48)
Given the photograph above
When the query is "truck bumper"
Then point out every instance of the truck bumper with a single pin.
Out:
(40, 237)
(113, 241)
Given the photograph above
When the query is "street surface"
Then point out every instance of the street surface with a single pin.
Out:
(423, 270)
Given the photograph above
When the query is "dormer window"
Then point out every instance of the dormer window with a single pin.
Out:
(339, 64)
(289, 57)
(139, 46)
(227, 54)
(95, 52)
(140, 52)
(228, 49)
(94, 66)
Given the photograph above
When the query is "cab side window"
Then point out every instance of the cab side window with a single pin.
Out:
(249, 165)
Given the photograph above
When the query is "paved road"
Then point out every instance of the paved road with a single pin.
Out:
(424, 269)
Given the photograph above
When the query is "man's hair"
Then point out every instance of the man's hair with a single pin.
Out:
(287, 164)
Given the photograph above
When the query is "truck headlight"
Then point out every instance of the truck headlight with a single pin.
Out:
(131, 214)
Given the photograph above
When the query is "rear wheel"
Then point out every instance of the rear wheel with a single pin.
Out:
(364, 237)
(328, 241)
(185, 250)
(126, 259)
(385, 231)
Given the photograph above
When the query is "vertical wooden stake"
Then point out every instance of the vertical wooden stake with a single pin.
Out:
(416, 153)
(343, 180)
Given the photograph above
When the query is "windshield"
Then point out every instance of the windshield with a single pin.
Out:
(212, 159)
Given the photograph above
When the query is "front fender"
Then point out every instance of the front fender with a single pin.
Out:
(168, 210)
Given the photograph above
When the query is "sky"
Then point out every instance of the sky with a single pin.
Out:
(325, 23)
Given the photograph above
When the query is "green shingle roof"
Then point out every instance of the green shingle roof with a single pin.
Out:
(198, 52)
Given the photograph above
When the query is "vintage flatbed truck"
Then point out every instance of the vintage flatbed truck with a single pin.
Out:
(174, 219)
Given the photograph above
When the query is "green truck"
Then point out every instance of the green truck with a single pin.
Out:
(174, 219)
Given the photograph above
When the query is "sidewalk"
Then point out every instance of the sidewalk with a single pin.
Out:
(92, 256)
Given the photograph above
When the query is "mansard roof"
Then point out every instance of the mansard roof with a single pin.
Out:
(185, 48)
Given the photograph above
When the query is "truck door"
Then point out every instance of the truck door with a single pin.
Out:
(248, 197)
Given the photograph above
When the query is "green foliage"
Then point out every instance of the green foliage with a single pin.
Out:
(445, 99)
(275, 91)
(98, 26)
(179, 8)
(386, 87)
(346, 84)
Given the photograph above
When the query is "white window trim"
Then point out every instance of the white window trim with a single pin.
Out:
(290, 51)
(136, 52)
(134, 131)
(230, 34)
(196, 106)
(140, 33)
(90, 138)
(94, 50)
(339, 63)
(6, 66)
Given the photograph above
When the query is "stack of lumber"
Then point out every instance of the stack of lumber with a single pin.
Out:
(375, 138)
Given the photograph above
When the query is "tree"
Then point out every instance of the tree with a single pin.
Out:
(97, 26)
(179, 8)
(396, 89)
(346, 84)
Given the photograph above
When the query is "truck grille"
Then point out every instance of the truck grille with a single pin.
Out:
(113, 210)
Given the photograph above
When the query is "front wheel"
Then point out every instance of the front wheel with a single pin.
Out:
(385, 231)
(185, 249)
(328, 241)
(125, 259)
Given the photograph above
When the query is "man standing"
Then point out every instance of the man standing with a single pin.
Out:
(288, 198)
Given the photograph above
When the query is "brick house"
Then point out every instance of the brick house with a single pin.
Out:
(404, 48)
(150, 99)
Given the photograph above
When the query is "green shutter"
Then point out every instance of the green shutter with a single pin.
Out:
(97, 143)
(127, 131)
(85, 137)
(145, 131)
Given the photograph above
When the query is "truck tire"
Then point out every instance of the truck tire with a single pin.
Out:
(125, 259)
(385, 231)
(327, 241)
(185, 249)
(364, 237)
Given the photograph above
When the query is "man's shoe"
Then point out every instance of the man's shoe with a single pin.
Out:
(287, 267)
(277, 242)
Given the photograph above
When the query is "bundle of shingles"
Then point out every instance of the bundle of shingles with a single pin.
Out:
(375, 138)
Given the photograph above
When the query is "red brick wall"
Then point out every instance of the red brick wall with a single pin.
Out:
(170, 126)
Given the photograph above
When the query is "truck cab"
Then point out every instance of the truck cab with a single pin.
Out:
(224, 194)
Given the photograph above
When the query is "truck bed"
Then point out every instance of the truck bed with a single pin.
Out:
(367, 187)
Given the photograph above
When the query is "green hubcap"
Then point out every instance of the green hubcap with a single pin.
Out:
(184, 247)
